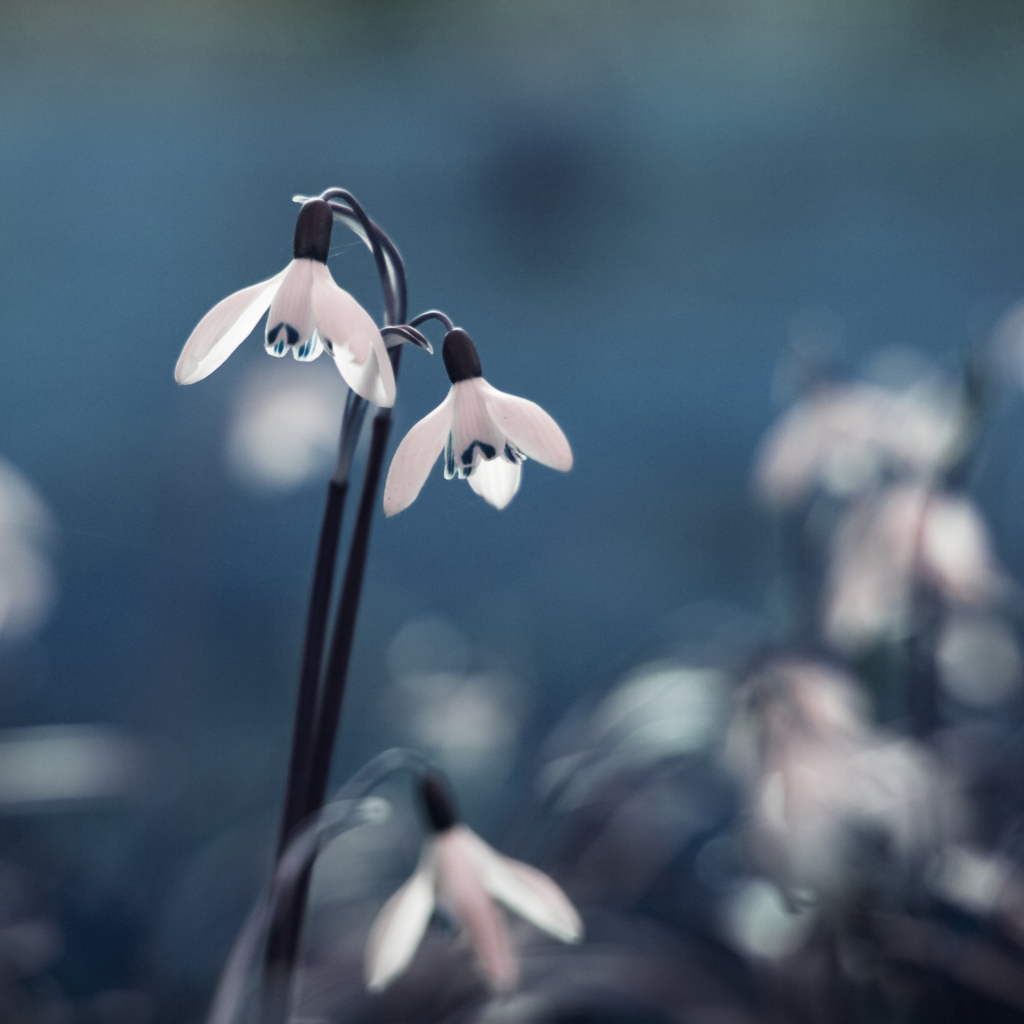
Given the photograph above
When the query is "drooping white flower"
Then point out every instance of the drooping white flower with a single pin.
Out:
(485, 435)
(308, 313)
(459, 871)
(818, 774)
(843, 438)
(891, 542)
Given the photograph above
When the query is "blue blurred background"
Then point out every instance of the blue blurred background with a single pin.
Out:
(635, 209)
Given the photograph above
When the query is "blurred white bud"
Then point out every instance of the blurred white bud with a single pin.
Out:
(760, 923)
(889, 542)
(661, 709)
(843, 438)
(285, 426)
(819, 778)
(26, 579)
(467, 720)
(50, 766)
(1008, 343)
(971, 878)
(979, 660)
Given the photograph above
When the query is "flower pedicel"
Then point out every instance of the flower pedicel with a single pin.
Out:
(459, 870)
(308, 313)
(485, 434)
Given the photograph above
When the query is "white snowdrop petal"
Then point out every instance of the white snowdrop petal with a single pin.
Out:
(354, 340)
(340, 320)
(531, 894)
(223, 329)
(496, 480)
(399, 927)
(309, 350)
(955, 550)
(415, 457)
(385, 388)
(460, 884)
(529, 428)
(374, 379)
(474, 435)
(290, 321)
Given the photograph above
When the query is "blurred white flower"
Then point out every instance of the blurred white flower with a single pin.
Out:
(1008, 342)
(979, 659)
(465, 720)
(819, 777)
(308, 312)
(844, 438)
(460, 871)
(892, 541)
(284, 430)
(486, 436)
(50, 766)
(758, 920)
(26, 579)
(662, 709)
(983, 883)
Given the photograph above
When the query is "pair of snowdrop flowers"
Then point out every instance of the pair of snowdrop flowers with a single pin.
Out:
(486, 433)
(459, 871)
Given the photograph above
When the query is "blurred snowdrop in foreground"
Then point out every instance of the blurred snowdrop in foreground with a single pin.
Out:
(833, 803)
(285, 425)
(894, 542)
(26, 578)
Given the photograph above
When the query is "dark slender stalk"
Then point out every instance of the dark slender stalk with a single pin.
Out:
(312, 657)
(286, 930)
(336, 674)
(316, 621)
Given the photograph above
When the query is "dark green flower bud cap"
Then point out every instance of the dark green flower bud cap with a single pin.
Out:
(313, 231)
(460, 358)
(438, 805)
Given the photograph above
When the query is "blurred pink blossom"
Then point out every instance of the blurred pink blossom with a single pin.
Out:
(817, 773)
(892, 541)
(843, 437)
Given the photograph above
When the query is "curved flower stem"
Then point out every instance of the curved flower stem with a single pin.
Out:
(316, 620)
(286, 931)
(433, 314)
(346, 810)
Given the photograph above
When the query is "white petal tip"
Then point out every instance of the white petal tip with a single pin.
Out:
(187, 370)
(376, 983)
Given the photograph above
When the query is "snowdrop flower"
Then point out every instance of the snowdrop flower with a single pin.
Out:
(888, 544)
(308, 313)
(460, 871)
(843, 438)
(485, 434)
(819, 775)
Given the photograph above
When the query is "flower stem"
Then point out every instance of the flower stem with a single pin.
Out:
(286, 930)
(316, 621)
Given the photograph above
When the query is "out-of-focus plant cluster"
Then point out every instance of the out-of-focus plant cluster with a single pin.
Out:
(809, 816)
